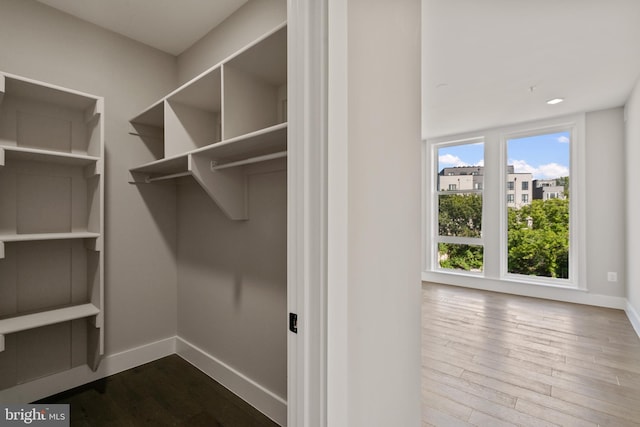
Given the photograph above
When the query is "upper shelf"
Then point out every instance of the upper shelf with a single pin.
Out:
(43, 92)
(47, 118)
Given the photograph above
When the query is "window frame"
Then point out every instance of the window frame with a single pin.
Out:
(434, 220)
(576, 176)
(494, 235)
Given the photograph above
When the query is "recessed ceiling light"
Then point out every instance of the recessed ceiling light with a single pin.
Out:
(555, 101)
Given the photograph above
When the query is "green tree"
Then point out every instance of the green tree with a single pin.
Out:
(538, 239)
(564, 182)
(461, 257)
(460, 215)
(538, 235)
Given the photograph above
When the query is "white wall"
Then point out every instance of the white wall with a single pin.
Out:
(632, 159)
(383, 243)
(245, 25)
(47, 45)
(605, 201)
(232, 283)
(232, 279)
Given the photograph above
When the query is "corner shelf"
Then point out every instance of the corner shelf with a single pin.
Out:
(232, 115)
(51, 226)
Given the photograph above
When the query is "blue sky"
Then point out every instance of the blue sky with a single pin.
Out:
(544, 156)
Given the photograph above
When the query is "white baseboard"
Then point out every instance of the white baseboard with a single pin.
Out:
(555, 293)
(66, 380)
(634, 318)
(267, 402)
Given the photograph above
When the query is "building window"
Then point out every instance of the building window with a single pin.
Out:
(458, 244)
(537, 241)
(510, 186)
(510, 198)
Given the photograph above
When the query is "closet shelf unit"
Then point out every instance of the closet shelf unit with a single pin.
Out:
(230, 116)
(51, 224)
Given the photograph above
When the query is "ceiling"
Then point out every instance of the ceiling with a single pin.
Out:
(490, 63)
(169, 25)
(487, 63)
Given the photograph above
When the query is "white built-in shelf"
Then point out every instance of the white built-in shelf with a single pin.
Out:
(41, 92)
(265, 141)
(255, 145)
(44, 318)
(166, 166)
(51, 221)
(34, 154)
(230, 116)
(47, 236)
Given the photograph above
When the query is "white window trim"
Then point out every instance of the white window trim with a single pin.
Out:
(494, 213)
(429, 249)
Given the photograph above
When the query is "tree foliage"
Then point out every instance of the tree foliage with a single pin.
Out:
(538, 239)
(538, 235)
(460, 215)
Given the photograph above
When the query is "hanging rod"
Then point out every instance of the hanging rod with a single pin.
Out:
(248, 161)
(164, 177)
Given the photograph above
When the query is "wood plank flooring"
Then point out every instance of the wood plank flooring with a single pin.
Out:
(167, 392)
(491, 359)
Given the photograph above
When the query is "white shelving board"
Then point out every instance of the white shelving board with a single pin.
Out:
(34, 154)
(36, 320)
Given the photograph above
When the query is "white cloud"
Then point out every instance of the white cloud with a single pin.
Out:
(450, 160)
(548, 171)
(521, 166)
(552, 170)
(563, 139)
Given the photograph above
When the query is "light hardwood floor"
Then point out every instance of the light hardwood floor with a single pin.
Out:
(491, 359)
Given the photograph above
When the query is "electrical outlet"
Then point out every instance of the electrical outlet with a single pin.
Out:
(612, 276)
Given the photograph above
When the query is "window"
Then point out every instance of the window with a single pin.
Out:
(513, 216)
(538, 232)
(459, 208)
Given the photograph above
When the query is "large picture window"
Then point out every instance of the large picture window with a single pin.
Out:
(538, 226)
(459, 184)
(502, 204)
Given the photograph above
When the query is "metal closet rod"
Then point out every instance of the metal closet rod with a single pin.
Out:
(162, 178)
(248, 161)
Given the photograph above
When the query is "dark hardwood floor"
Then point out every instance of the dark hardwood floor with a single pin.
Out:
(491, 359)
(167, 392)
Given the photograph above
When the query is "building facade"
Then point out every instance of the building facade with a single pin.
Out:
(464, 178)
